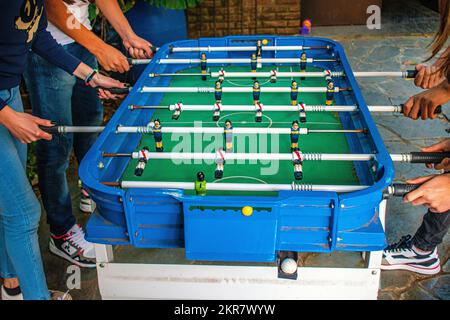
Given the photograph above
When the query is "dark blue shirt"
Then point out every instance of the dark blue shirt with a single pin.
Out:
(23, 27)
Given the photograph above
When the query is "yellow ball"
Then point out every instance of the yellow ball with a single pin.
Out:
(247, 211)
(265, 42)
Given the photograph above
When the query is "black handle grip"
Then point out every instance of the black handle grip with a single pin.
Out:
(50, 130)
(402, 189)
(429, 157)
(437, 111)
(117, 90)
(411, 74)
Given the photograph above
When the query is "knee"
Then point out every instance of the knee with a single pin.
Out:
(25, 218)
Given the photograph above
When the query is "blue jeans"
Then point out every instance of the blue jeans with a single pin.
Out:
(19, 213)
(60, 97)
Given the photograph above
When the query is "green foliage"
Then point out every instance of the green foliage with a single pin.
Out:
(169, 4)
(32, 163)
(174, 4)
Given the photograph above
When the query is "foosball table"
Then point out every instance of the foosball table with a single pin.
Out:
(244, 151)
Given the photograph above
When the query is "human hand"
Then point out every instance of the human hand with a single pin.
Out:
(137, 47)
(104, 82)
(112, 59)
(434, 193)
(442, 146)
(23, 126)
(425, 103)
(428, 76)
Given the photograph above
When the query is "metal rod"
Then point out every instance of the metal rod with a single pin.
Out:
(409, 74)
(236, 89)
(280, 108)
(235, 186)
(243, 61)
(215, 130)
(247, 48)
(412, 157)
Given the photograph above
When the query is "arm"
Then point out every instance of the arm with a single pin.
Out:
(431, 76)
(25, 127)
(137, 47)
(433, 193)
(109, 57)
(426, 102)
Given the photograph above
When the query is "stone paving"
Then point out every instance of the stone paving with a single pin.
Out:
(389, 50)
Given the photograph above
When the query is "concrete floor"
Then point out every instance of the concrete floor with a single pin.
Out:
(402, 41)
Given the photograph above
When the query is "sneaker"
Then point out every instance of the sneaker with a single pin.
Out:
(54, 295)
(401, 256)
(73, 247)
(87, 205)
(14, 294)
(58, 295)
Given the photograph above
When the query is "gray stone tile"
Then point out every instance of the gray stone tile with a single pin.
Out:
(439, 286)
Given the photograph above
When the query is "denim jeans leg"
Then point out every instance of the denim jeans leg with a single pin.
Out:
(432, 231)
(87, 110)
(50, 91)
(19, 214)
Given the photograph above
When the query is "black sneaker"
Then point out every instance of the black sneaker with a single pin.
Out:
(401, 256)
(73, 247)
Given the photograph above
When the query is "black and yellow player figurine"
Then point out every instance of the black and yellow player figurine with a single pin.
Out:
(330, 93)
(203, 66)
(303, 63)
(142, 162)
(254, 64)
(157, 135)
(218, 92)
(295, 133)
(294, 92)
(228, 135)
(256, 92)
(200, 184)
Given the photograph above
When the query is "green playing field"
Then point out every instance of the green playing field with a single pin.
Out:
(314, 172)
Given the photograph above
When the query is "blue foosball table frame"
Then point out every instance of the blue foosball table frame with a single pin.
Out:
(298, 221)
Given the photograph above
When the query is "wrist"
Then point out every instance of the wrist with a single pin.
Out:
(5, 114)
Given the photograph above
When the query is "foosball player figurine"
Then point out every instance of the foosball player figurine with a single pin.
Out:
(295, 133)
(177, 112)
(254, 64)
(294, 92)
(259, 53)
(221, 75)
(303, 62)
(258, 115)
(273, 76)
(298, 165)
(200, 184)
(220, 164)
(256, 92)
(140, 167)
(203, 66)
(328, 76)
(330, 93)
(216, 114)
(302, 115)
(228, 134)
(218, 92)
(157, 135)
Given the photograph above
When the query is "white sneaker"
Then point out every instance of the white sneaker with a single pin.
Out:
(402, 256)
(5, 296)
(73, 247)
(87, 205)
